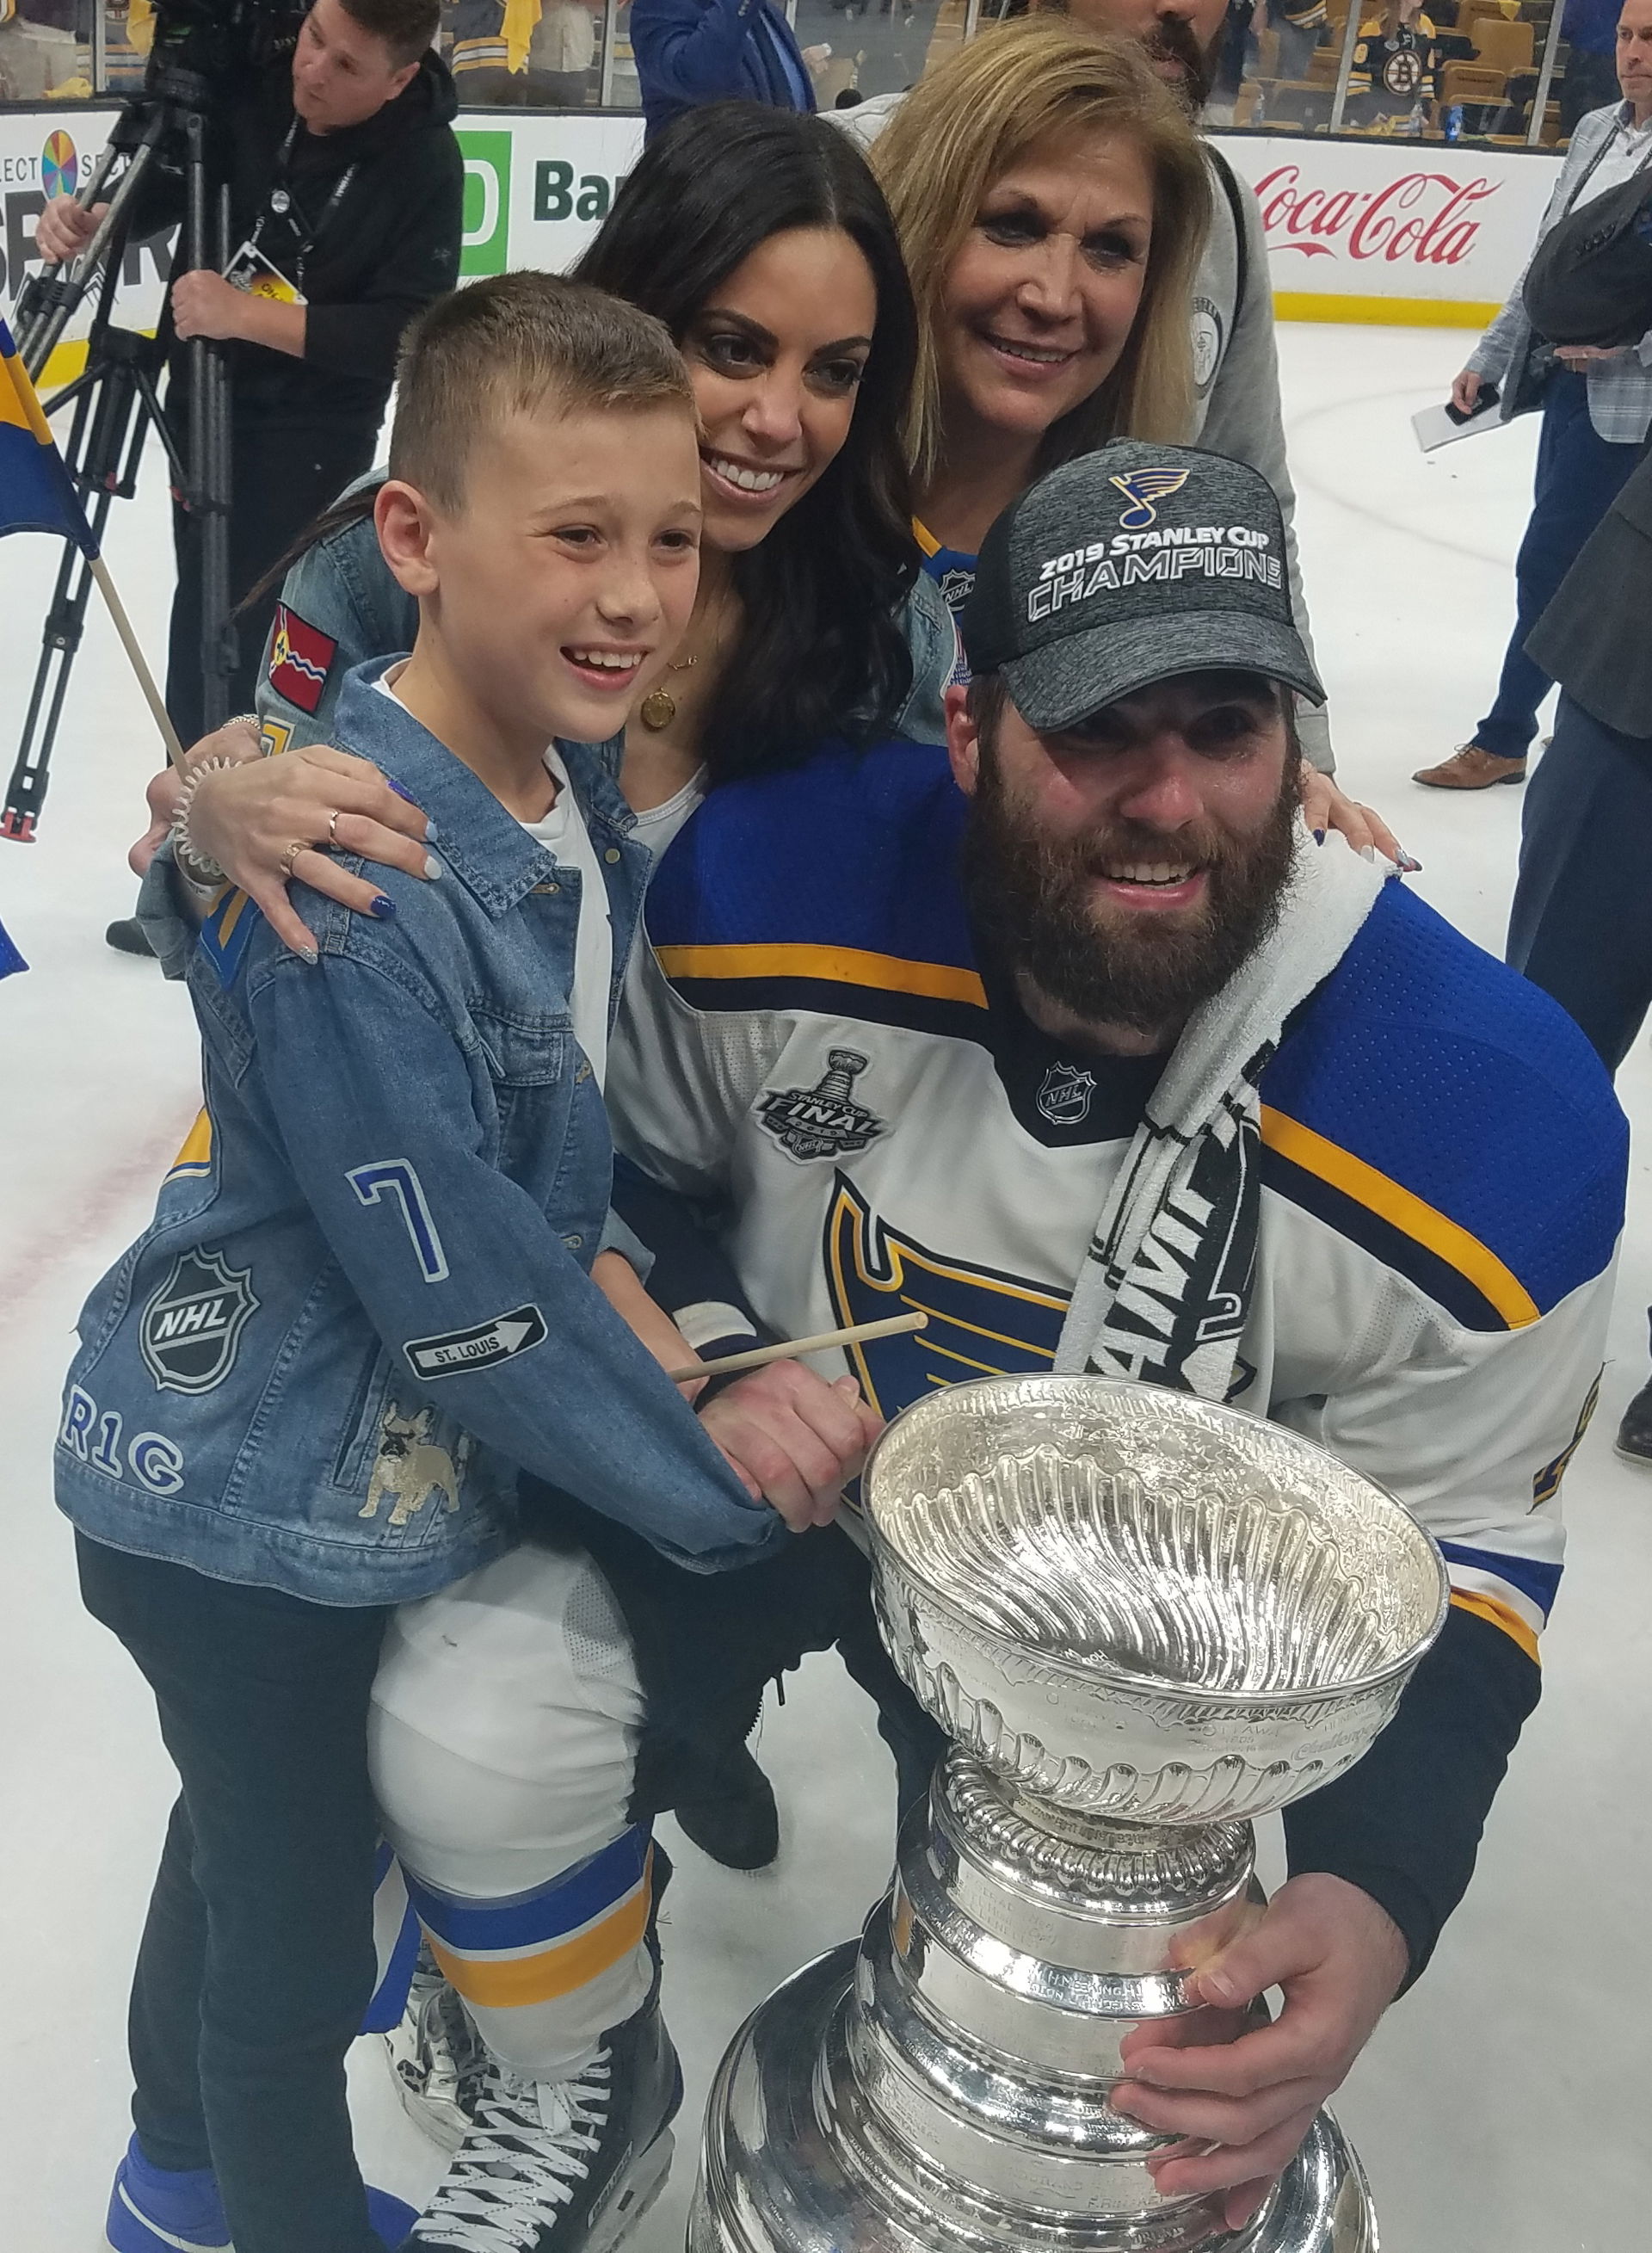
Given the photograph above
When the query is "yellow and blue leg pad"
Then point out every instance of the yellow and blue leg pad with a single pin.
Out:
(547, 1946)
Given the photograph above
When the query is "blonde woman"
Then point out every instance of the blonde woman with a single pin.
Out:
(1052, 202)
(1084, 266)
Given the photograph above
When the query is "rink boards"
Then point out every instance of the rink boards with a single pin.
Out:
(1389, 230)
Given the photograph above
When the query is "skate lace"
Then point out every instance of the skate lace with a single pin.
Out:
(530, 2148)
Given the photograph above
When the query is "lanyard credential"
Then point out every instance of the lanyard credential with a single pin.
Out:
(281, 205)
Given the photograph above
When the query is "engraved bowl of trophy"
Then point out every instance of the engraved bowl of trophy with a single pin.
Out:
(1142, 1621)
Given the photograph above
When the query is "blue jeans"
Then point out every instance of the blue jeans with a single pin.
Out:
(1579, 475)
(257, 1957)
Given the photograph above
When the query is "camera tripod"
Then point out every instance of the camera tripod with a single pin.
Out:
(117, 402)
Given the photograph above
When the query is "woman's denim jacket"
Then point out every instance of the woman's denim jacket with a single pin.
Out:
(364, 1304)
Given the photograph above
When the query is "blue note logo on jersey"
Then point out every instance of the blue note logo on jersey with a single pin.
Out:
(1141, 488)
(822, 1121)
(982, 1322)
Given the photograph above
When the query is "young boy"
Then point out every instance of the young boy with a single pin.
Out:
(366, 1299)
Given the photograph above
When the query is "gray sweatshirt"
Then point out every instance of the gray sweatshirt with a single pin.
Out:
(1236, 411)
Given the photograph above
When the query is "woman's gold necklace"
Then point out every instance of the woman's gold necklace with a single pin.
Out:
(659, 708)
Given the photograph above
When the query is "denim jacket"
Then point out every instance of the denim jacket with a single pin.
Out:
(340, 606)
(364, 1304)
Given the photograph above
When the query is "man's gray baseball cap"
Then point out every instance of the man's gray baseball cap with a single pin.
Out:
(1129, 566)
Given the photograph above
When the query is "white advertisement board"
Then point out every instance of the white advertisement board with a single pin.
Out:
(1400, 231)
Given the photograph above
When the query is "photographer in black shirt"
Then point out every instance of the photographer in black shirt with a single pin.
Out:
(346, 191)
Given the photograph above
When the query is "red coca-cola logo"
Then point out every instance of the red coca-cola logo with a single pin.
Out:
(1420, 216)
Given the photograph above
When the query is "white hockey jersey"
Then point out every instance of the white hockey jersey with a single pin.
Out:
(813, 1042)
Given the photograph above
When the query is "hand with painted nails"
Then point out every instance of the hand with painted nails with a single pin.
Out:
(1326, 809)
(249, 820)
(238, 740)
(1241, 2103)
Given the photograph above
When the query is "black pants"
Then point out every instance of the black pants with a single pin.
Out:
(282, 478)
(257, 1959)
(1580, 924)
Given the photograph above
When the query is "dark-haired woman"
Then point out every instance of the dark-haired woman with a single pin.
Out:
(763, 244)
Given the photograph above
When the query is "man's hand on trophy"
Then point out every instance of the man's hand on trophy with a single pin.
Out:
(794, 1441)
(1244, 2103)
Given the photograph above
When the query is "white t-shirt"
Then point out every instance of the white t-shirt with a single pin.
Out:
(563, 835)
(657, 824)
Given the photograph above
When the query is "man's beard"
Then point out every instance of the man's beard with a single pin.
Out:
(1172, 40)
(1031, 902)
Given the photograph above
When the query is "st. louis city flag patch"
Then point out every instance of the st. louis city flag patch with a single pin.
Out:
(300, 659)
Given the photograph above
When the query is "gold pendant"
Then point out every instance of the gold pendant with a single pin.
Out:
(657, 709)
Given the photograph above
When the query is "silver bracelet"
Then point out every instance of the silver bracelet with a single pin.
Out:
(195, 866)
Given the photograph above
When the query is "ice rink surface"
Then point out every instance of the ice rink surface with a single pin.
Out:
(1502, 2108)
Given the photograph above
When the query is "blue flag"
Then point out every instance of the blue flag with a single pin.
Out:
(10, 958)
(37, 494)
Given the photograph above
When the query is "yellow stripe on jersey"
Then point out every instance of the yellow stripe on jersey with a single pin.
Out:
(832, 965)
(508, 1983)
(925, 538)
(1497, 1284)
(1502, 1615)
(196, 1156)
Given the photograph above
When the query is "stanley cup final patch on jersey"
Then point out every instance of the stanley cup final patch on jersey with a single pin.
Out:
(480, 1347)
(825, 1120)
(191, 1327)
(300, 659)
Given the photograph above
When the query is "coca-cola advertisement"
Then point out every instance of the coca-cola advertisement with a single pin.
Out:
(1351, 219)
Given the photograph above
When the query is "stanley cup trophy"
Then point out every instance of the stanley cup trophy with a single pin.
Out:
(1142, 1621)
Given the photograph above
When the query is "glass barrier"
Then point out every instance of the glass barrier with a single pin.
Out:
(46, 51)
(1499, 74)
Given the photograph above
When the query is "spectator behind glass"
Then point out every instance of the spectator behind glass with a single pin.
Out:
(1590, 30)
(690, 51)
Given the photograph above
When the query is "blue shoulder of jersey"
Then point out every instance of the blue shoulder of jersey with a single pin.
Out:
(832, 887)
(1432, 1105)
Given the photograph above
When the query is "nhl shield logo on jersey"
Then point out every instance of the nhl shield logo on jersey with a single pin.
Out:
(1141, 488)
(1065, 1093)
(191, 1327)
(824, 1120)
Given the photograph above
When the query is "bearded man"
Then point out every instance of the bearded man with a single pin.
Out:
(1072, 1036)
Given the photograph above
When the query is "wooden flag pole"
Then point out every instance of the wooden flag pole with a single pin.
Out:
(139, 663)
(790, 1349)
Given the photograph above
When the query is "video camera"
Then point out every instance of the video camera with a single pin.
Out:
(217, 44)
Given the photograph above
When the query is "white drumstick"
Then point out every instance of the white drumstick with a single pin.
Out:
(790, 1349)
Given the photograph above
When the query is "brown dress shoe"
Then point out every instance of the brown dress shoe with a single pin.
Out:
(1469, 768)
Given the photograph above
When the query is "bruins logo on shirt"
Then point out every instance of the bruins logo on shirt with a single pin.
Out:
(982, 1322)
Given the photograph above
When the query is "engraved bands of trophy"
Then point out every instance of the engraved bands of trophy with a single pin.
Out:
(1142, 1622)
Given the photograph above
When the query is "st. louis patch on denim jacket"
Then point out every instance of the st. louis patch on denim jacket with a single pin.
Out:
(364, 1303)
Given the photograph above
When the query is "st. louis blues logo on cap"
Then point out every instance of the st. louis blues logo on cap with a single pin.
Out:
(1141, 488)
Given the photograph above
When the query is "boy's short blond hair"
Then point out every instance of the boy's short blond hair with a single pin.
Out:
(511, 344)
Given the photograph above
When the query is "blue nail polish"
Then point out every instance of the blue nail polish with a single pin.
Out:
(382, 907)
(401, 791)
(1319, 837)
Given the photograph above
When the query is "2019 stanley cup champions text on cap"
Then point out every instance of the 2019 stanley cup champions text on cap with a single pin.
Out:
(1129, 566)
